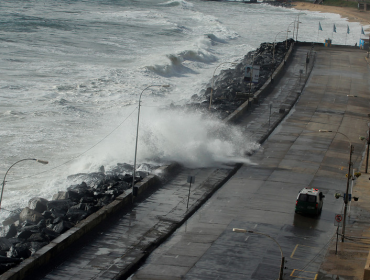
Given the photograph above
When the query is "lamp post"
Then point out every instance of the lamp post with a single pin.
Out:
(37, 160)
(286, 40)
(298, 22)
(213, 82)
(137, 136)
(351, 149)
(281, 251)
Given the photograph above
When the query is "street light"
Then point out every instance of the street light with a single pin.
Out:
(293, 30)
(37, 160)
(281, 251)
(286, 41)
(137, 136)
(213, 82)
(351, 149)
(298, 22)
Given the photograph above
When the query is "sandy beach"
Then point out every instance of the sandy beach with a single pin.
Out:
(352, 14)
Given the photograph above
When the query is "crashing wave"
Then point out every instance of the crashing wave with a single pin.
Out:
(176, 66)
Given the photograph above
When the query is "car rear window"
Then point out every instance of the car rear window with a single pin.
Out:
(307, 198)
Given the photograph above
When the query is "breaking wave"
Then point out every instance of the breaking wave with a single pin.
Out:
(176, 67)
(175, 3)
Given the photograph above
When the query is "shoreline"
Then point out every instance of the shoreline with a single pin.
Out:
(352, 14)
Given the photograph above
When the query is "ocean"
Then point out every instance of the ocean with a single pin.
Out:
(72, 72)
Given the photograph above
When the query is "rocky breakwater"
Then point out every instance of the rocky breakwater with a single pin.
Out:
(27, 230)
(229, 89)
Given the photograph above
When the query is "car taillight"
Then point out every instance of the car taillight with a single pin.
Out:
(317, 205)
(296, 202)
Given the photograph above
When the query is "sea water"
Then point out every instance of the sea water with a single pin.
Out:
(72, 73)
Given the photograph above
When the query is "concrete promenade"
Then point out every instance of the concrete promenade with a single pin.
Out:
(261, 197)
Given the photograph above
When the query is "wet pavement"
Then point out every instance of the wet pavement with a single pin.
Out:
(258, 197)
(261, 198)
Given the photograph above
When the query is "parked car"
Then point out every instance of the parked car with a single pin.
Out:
(309, 201)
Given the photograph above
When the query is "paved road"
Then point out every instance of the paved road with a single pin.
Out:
(261, 197)
(121, 242)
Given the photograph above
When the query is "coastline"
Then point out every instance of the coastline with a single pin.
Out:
(352, 14)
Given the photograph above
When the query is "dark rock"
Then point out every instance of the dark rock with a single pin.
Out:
(76, 215)
(62, 227)
(30, 215)
(141, 174)
(87, 177)
(19, 251)
(80, 206)
(91, 209)
(105, 200)
(42, 224)
(27, 224)
(47, 214)
(58, 220)
(123, 168)
(13, 217)
(87, 200)
(6, 266)
(51, 234)
(74, 196)
(99, 194)
(55, 213)
(9, 231)
(32, 227)
(38, 204)
(127, 178)
(81, 190)
(35, 246)
(5, 244)
(24, 234)
(15, 240)
(9, 260)
(60, 196)
(60, 205)
(38, 237)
